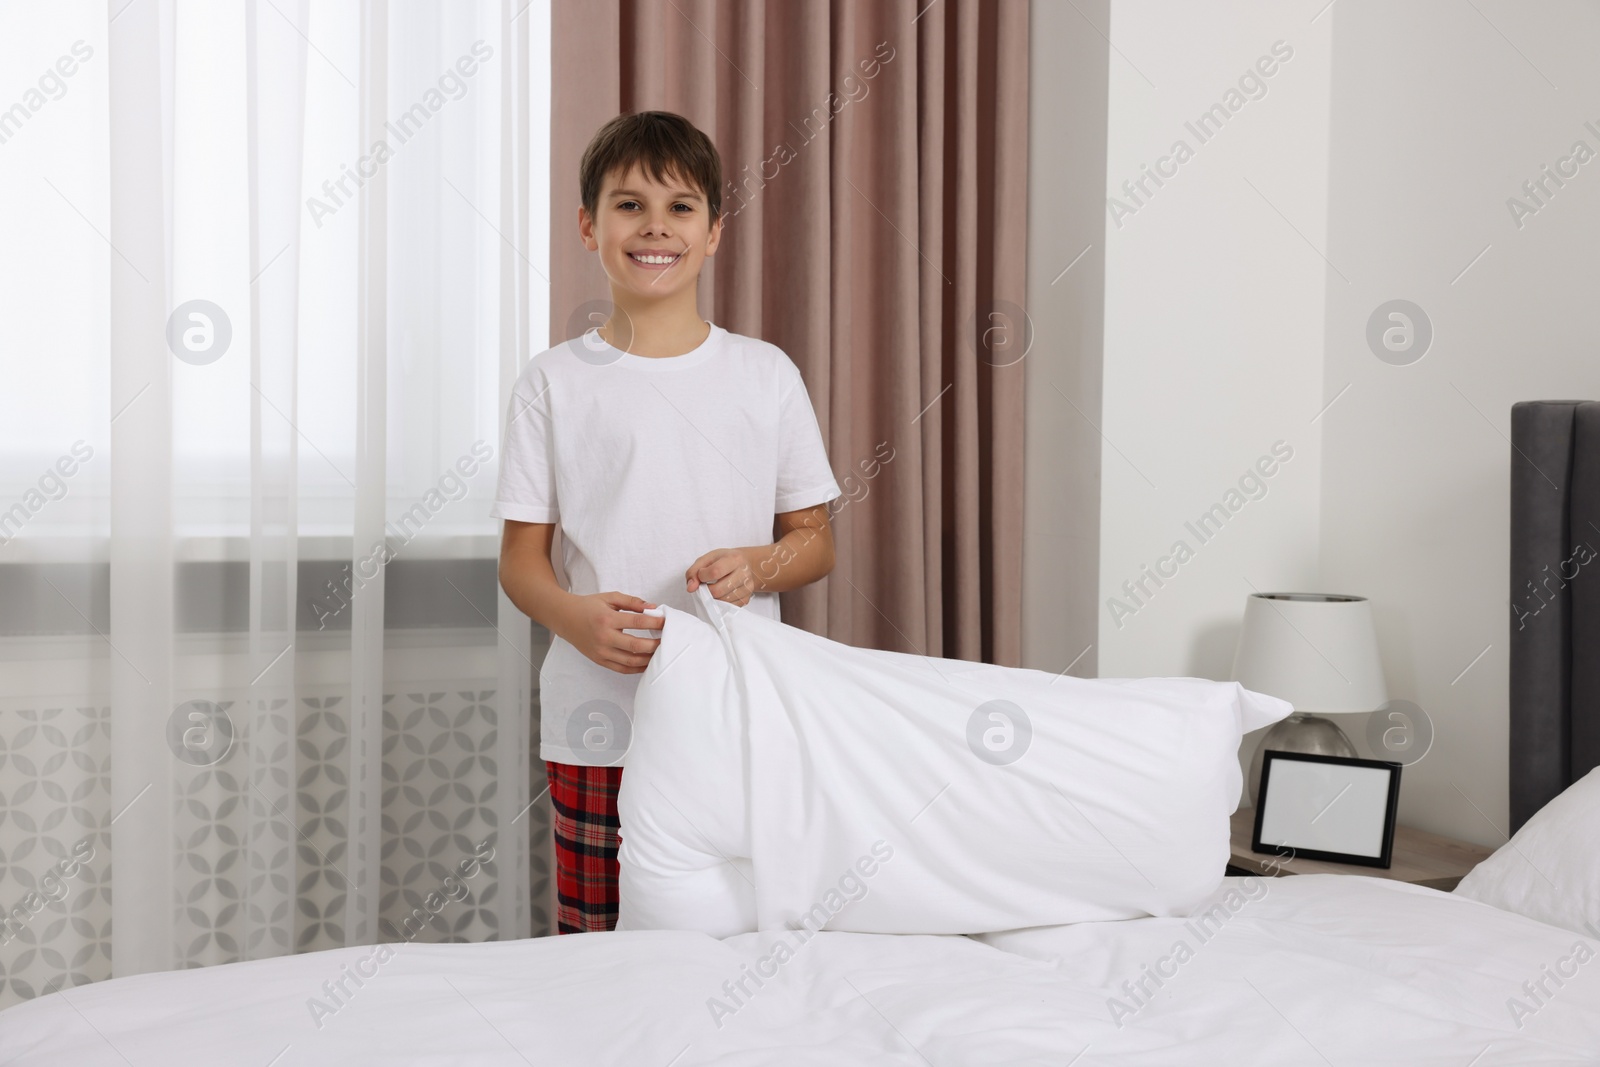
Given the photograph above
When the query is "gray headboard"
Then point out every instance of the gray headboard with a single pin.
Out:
(1555, 599)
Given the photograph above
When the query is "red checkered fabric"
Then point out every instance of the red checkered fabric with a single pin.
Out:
(584, 800)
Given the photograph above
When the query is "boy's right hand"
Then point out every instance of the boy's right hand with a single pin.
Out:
(595, 628)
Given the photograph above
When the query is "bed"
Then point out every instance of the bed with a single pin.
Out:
(1315, 969)
(1309, 970)
(1555, 599)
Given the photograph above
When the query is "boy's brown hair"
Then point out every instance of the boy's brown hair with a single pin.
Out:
(663, 143)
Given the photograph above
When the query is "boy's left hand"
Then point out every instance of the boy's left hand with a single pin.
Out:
(727, 572)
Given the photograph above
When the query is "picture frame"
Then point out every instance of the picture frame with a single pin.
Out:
(1299, 791)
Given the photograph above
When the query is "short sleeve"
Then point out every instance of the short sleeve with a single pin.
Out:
(526, 490)
(804, 477)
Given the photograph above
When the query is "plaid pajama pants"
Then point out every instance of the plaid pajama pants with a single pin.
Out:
(584, 801)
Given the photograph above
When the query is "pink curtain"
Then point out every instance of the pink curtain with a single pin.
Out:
(875, 167)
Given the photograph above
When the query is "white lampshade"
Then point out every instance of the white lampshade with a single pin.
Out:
(1318, 651)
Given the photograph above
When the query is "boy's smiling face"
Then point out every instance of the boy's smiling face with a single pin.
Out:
(652, 238)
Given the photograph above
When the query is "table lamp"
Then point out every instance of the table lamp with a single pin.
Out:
(1319, 652)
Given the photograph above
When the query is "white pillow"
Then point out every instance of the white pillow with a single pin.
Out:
(1550, 869)
(780, 779)
(684, 840)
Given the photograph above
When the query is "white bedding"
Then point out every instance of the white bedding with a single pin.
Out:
(1303, 970)
(777, 778)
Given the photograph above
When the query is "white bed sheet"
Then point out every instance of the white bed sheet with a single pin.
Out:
(1305, 970)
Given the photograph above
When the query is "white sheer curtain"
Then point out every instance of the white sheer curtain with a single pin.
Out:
(270, 272)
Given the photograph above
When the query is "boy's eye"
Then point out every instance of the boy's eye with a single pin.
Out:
(628, 205)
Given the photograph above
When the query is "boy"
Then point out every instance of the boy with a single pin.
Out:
(656, 441)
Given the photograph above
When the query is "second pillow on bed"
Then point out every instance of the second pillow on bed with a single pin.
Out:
(780, 779)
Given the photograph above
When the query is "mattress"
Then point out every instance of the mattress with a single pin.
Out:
(1309, 969)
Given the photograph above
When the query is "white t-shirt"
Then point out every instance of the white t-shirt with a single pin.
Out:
(647, 464)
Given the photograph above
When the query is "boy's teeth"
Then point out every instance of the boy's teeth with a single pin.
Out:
(653, 259)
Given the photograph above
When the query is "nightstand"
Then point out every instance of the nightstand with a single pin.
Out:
(1419, 858)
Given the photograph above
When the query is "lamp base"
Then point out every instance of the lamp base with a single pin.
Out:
(1311, 734)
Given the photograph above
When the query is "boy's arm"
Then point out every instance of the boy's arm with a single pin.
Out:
(526, 574)
(802, 553)
(593, 624)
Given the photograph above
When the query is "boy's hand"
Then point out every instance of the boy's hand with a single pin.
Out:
(727, 571)
(595, 625)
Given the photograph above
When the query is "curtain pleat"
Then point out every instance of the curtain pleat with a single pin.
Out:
(139, 823)
(371, 490)
(520, 852)
(275, 60)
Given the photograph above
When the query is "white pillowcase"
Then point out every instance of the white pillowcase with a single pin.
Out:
(684, 852)
(1550, 869)
(780, 779)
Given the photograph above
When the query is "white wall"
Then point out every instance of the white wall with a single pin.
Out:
(1066, 301)
(1388, 144)
(1213, 323)
(1440, 113)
